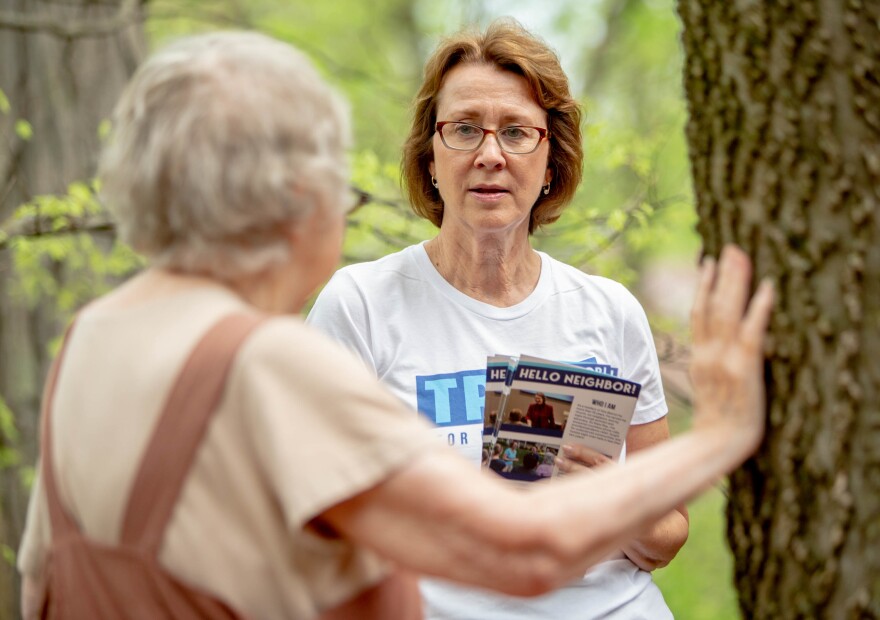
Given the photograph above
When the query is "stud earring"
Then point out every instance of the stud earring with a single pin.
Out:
(433, 181)
(547, 188)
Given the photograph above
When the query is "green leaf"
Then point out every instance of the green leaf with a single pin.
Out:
(617, 220)
(4, 103)
(8, 554)
(27, 474)
(9, 457)
(66, 299)
(104, 128)
(24, 130)
(9, 454)
(8, 430)
(80, 191)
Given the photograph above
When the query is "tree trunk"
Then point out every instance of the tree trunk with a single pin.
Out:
(63, 67)
(784, 137)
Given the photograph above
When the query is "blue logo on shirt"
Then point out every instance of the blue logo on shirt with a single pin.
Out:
(452, 399)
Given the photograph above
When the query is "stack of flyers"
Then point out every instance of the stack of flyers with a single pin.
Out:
(534, 405)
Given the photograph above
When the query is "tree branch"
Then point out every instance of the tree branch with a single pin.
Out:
(128, 14)
(597, 60)
(35, 226)
(39, 226)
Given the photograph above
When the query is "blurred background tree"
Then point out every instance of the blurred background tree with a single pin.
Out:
(62, 66)
(64, 63)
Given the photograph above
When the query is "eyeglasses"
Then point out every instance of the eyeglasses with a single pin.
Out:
(515, 139)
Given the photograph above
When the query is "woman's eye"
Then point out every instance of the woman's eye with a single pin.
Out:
(466, 130)
(514, 133)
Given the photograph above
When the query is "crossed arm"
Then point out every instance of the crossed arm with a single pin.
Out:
(659, 544)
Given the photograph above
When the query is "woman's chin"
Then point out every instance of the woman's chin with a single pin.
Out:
(498, 219)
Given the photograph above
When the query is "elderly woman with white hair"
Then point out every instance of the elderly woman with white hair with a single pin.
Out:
(227, 170)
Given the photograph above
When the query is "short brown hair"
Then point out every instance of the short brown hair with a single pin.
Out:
(509, 46)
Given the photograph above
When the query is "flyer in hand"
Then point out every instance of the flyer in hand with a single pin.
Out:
(545, 404)
(498, 367)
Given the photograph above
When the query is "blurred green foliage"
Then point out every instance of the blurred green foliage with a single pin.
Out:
(9, 456)
(66, 270)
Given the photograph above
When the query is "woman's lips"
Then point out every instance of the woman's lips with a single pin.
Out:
(488, 193)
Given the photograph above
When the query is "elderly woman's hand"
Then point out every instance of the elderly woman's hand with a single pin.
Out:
(579, 458)
(726, 367)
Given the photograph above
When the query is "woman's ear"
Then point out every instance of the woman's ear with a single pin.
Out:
(293, 231)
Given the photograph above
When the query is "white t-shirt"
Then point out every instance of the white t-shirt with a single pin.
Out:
(428, 342)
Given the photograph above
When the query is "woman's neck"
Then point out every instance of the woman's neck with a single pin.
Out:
(497, 270)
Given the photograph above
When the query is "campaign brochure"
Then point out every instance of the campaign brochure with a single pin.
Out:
(544, 404)
(498, 368)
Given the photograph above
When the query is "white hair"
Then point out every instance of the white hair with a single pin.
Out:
(215, 138)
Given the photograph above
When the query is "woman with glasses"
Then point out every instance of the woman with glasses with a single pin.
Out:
(493, 154)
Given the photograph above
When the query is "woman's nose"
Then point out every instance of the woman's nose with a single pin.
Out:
(489, 154)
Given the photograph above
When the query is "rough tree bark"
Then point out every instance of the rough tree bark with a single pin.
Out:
(784, 137)
(62, 66)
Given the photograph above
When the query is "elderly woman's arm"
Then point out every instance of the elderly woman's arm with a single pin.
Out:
(439, 517)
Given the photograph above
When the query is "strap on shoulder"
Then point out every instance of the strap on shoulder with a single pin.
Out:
(178, 434)
(62, 522)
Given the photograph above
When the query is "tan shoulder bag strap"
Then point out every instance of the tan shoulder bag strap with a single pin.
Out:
(182, 424)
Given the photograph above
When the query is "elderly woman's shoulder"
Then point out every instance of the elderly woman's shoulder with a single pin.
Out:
(290, 362)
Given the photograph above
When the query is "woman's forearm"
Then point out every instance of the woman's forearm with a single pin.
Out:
(659, 544)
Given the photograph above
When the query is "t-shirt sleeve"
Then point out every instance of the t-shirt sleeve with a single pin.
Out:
(340, 311)
(37, 534)
(323, 428)
(640, 362)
